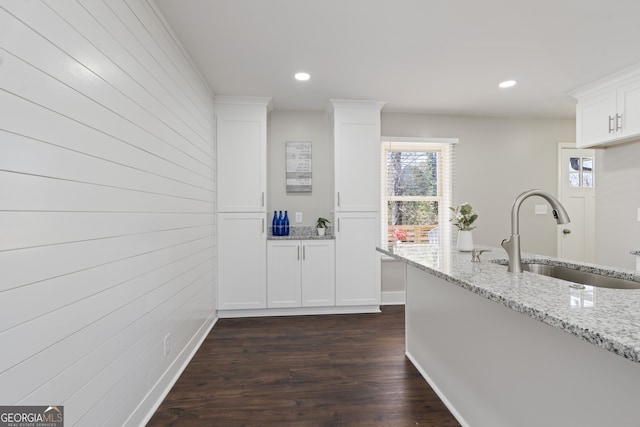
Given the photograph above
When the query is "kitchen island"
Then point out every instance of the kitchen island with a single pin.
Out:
(504, 349)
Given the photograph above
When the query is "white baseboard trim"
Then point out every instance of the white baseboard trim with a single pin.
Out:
(439, 392)
(162, 387)
(394, 298)
(299, 311)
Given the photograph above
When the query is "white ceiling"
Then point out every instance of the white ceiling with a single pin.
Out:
(429, 56)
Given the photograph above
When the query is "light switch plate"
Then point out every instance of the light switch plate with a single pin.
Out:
(298, 217)
(541, 209)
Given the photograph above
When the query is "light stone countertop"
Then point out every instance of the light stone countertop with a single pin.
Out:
(608, 318)
(303, 233)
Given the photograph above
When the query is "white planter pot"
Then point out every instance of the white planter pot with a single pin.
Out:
(321, 231)
(465, 240)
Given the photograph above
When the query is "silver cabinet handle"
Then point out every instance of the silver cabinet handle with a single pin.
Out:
(338, 225)
(304, 252)
(618, 122)
(262, 225)
(298, 252)
(262, 199)
(611, 124)
(338, 198)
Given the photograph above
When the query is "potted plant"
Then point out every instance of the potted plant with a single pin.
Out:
(321, 225)
(463, 217)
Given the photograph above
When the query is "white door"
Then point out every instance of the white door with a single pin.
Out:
(577, 191)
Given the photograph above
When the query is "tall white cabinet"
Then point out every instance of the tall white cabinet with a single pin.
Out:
(257, 277)
(241, 202)
(356, 126)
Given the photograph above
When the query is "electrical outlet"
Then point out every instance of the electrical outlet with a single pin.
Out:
(540, 209)
(167, 344)
(298, 217)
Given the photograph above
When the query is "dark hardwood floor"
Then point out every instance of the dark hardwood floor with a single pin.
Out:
(339, 370)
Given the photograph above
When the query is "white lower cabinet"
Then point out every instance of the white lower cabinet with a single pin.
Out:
(318, 273)
(300, 273)
(242, 261)
(357, 261)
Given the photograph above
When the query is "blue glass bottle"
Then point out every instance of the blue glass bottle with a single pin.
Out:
(280, 224)
(274, 223)
(285, 223)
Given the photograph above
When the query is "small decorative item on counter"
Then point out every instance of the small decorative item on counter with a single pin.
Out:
(274, 224)
(285, 224)
(280, 225)
(463, 217)
(465, 240)
(321, 225)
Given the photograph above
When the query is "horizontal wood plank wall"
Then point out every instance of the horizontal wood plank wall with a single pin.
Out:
(107, 154)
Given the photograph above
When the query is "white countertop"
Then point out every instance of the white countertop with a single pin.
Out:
(608, 318)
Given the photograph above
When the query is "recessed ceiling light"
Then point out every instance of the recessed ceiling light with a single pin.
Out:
(302, 76)
(507, 83)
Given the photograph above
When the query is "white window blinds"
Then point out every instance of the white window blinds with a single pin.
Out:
(417, 190)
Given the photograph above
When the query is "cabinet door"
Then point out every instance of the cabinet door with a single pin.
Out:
(241, 153)
(593, 124)
(628, 97)
(318, 273)
(242, 261)
(283, 273)
(357, 158)
(357, 262)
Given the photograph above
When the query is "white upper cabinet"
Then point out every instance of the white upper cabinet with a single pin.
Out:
(608, 111)
(628, 99)
(357, 155)
(242, 153)
(594, 119)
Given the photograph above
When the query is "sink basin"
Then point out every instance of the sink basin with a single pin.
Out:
(582, 277)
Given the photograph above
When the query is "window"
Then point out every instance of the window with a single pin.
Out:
(417, 187)
(581, 172)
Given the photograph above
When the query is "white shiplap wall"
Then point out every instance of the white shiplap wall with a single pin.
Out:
(107, 154)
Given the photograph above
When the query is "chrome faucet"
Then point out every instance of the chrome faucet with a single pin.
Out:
(512, 245)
